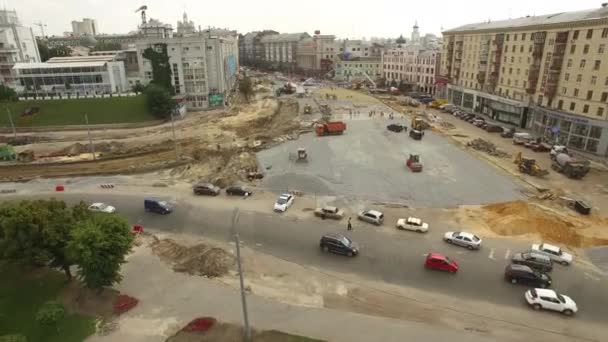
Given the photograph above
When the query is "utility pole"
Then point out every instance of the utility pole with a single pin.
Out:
(10, 119)
(174, 137)
(42, 26)
(235, 218)
(86, 119)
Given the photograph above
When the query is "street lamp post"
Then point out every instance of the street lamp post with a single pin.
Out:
(235, 218)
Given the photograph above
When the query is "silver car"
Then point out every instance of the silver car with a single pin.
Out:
(371, 216)
(464, 239)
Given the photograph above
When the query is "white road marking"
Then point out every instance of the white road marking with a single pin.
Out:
(425, 254)
(591, 276)
(507, 254)
(491, 256)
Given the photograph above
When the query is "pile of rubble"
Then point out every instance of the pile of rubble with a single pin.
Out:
(488, 147)
(200, 259)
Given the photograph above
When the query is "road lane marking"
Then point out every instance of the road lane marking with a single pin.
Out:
(491, 256)
(507, 254)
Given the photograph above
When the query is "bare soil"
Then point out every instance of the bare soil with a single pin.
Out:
(200, 259)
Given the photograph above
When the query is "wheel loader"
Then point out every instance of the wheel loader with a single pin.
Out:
(529, 166)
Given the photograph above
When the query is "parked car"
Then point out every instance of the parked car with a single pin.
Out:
(541, 147)
(413, 223)
(534, 260)
(478, 122)
(508, 133)
(157, 206)
(371, 216)
(555, 253)
(550, 300)
(339, 244)
(283, 202)
(440, 262)
(522, 138)
(329, 212)
(557, 149)
(464, 239)
(238, 190)
(396, 128)
(494, 128)
(206, 189)
(522, 274)
(102, 208)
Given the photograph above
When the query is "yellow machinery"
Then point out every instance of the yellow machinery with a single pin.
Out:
(529, 166)
(417, 123)
(438, 102)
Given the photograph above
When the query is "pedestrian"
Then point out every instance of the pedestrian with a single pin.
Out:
(350, 226)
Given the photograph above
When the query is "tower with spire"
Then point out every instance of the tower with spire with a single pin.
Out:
(185, 27)
(415, 34)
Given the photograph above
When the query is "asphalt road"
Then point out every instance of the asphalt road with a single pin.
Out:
(369, 161)
(395, 258)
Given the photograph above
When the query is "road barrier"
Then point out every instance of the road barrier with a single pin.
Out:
(8, 191)
(107, 186)
(59, 188)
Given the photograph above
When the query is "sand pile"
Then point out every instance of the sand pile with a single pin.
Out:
(200, 259)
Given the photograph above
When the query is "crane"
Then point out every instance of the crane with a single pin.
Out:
(143, 13)
(42, 26)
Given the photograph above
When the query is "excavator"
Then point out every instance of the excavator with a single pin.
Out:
(529, 166)
(417, 123)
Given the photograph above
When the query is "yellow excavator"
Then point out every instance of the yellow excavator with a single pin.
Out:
(529, 166)
(417, 123)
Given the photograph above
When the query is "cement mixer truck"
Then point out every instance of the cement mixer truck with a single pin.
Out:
(572, 168)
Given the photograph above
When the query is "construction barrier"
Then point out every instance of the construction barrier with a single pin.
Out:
(107, 186)
(59, 188)
(8, 191)
(138, 229)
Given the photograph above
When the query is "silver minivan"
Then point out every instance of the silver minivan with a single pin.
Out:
(371, 216)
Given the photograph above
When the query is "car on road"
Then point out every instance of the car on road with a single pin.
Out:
(396, 128)
(339, 244)
(329, 212)
(206, 189)
(157, 206)
(283, 202)
(371, 216)
(522, 274)
(553, 252)
(534, 260)
(102, 208)
(440, 262)
(464, 239)
(550, 300)
(238, 190)
(413, 223)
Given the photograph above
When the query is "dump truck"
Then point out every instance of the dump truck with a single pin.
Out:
(413, 163)
(569, 166)
(330, 128)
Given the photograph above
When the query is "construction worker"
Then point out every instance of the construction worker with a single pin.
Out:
(349, 226)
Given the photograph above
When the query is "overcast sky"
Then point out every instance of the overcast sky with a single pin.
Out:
(345, 19)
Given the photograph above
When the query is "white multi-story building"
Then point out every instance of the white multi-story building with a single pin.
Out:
(282, 48)
(156, 29)
(88, 75)
(86, 27)
(414, 66)
(317, 54)
(359, 69)
(17, 45)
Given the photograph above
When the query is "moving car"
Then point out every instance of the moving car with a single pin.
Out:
(339, 244)
(464, 239)
(238, 190)
(534, 260)
(206, 189)
(329, 212)
(371, 216)
(522, 274)
(102, 208)
(396, 128)
(283, 202)
(413, 223)
(157, 206)
(550, 300)
(555, 253)
(440, 262)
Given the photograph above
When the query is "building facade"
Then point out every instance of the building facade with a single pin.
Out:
(414, 66)
(548, 73)
(86, 27)
(17, 45)
(316, 55)
(251, 49)
(359, 69)
(282, 49)
(78, 76)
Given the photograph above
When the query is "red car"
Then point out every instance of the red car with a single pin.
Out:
(440, 262)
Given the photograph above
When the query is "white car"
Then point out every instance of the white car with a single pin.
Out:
(283, 202)
(371, 216)
(413, 223)
(464, 239)
(555, 253)
(102, 208)
(550, 300)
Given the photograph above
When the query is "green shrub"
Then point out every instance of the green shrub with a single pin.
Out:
(50, 313)
(13, 338)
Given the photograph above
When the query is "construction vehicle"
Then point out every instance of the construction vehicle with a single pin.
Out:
(416, 135)
(438, 102)
(325, 109)
(413, 163)
(569, 166)
(307, 109)
(529, 166)
(417, 123)
(330, 128)
(301, 155)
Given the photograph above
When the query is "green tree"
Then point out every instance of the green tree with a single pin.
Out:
(246, 87)
(159, 101)
(100, 245)
(50, 313)
(7, 93)
(60, 51)
(107, 46)
(43, 48)
(161, 68)
(138, 88)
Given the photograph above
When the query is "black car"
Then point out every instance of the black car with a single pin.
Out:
(534, 260)
(522, 274)
(339, 244)
(238, 190)
(206, 189)
(396, 128)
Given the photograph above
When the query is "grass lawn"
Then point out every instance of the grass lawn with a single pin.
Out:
(21, 295)
(71, 112)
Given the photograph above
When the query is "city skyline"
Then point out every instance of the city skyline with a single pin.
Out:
(114, 16)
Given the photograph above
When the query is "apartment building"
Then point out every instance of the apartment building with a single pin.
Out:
(413, 65)
(548, 73)
(317, 54)
(17, 45)
(251, 49)
(282, 49)
(87, 26)
(358, 69)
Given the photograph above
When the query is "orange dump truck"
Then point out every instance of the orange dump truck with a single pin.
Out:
(330, 128)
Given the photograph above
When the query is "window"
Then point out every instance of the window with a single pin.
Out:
(586, 49)
(596, 65)
(579, 78)
(505, 59)
(570, 63)
(516, 83)
(572, 48)
(512, 59)
(586, 109)
(521, 48)
(560, 104)
(575, 92)
(600, 48)
(589, 94)
(593, 80)
(523, 36)
(509, 82)
(604, 97)
(600, 111)
(605, 33)
(513, 49)
(606, 82)
(507, 37)
(510, 71)
(564, 90)
(572, 106)
(518, 71)
(567, 77)
(583, 62)
(575, 34)
(589, 33)
(506, 48)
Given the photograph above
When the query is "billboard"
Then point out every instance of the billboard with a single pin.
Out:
(216, 100)
(231, 65)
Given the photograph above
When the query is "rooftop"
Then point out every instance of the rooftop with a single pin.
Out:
(547, 19)
(78, 59)
(22, 66)
(284, 37)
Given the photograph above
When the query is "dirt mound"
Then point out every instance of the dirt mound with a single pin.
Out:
(519, 218)
(487, 147)
(200, 259)
(113, 147)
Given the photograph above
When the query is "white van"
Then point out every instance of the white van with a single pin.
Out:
(522, 138)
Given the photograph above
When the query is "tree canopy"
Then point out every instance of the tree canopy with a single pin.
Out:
(159, 101)
(47, 53)
(105, 46)
(7, 93)
(246, 87)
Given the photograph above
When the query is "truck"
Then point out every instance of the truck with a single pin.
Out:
(330, 128)
(569, 166)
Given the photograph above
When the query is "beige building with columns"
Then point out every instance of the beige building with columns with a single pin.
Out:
(548, 73)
